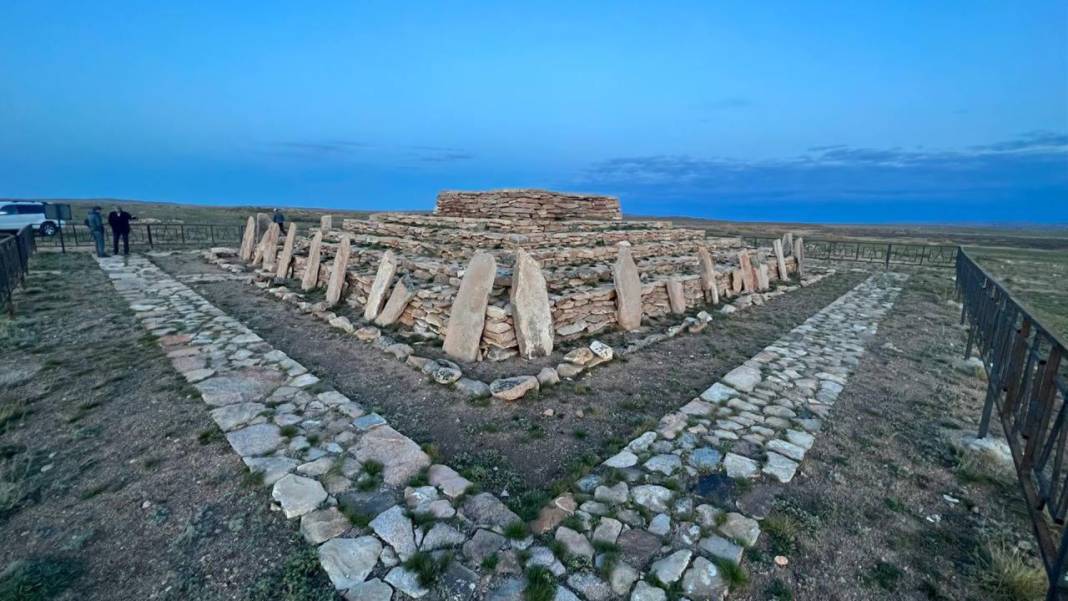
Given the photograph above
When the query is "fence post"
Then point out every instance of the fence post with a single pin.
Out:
(889, 247)
(211, 232)
(148, 227)
(181, 228)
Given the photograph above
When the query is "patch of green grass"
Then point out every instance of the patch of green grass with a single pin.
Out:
(426, 567)
(489, 562)
(356, 518)
(733, 573)
(541, 584)
(210, 435)
(782, 532)
(573, 522)
(289, 431)
(884, 574)
(37, 579)
(778, 590)
(301, 579)
(252, 479)
(11, 411)
(517, 530)
(974, 468)
(580, 434)
(420, 479)
(372, 476)
(894, 504)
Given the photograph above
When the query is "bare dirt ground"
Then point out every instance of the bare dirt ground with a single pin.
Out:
(114, 481)
(513, 446)
(883, 507)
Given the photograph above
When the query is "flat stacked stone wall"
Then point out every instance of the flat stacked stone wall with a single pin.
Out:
(540, 205)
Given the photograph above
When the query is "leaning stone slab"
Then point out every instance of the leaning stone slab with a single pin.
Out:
(348, 561)
(747, 274)
(676, 296)
(708, 275)
(255, 440)
(298, 495)
(270, 247)
(467, 317)
(248, 240)
(402, 294)
(311, 267)
(386, 268)
(780, 260)
(628, 286)
(400, 457)
(336, 285)
(285, 259)
(531, 314)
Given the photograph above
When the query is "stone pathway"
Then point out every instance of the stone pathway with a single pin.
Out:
(371, 501)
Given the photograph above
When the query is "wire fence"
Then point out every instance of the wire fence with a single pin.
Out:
(151, 235)
(1027, 384)
(886, 253)
(15, 251)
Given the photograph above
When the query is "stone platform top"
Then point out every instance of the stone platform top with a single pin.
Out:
(539, 205)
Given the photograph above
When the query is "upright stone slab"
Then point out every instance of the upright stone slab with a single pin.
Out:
(708, 275)
(676, 296)
(799, 255)
(746, 267)
(261, 248)
(248, 240)
(467, 316)
(628, 287)
(398, 300)
(263, 223)
(337, 276)
(788, 242)
(763, 281)
(311, 267)
(530, 307)
(386, 268)
(286, 258)
(270, 247)
(326, 223)
(780, 260)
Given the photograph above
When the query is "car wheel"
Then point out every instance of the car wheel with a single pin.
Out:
(48, 229)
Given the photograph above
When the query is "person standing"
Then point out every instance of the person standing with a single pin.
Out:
(95, 223)
(119, 221)
(279, 218)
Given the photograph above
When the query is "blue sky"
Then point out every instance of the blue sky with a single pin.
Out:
(834, 112)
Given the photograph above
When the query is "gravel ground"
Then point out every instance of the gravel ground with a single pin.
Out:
(114, 482)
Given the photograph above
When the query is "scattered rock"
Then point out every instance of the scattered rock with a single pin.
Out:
(510, 389)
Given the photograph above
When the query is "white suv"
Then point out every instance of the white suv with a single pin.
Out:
(14, 214)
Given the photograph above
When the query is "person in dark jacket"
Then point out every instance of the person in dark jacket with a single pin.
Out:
(279, 218)
(119, 221)
(95, 223)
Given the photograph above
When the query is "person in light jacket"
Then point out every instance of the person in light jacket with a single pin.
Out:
(95, 223)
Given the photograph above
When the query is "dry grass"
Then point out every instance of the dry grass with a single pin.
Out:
(1008, 575)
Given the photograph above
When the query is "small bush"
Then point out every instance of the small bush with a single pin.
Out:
(426, 568)
(541, 584)
(732, 572)
(517, 530)
(489, 563)
(289, 431)
(1007, 575)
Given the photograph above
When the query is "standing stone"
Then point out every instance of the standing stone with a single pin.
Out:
(530, 307)
(248, 240)
(676, 296)
(398, 300)
(386, 268)
(708, 275)
(263, 223)
(748, 277)
(286, 258)
(799, 254)
(270, 247)
(780, 260)
(311, 267)
(467, 316)
(326, 222)
(628, 289)
(788, 242)
(736, 281)
(257, 255)
(763, 281)
(337, 276)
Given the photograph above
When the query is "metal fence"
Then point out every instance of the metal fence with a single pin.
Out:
(15, 254)
(887, 253)
(152, 235)
(1026, 390)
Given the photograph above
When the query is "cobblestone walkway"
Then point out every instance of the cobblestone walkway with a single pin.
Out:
(650, 518)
